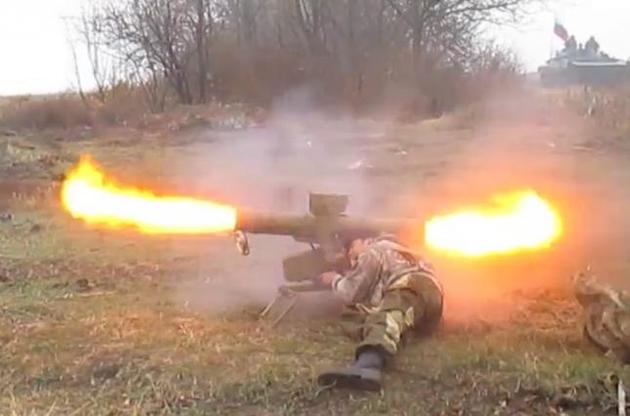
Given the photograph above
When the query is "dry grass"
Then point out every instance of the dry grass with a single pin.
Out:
(611, 109)
(63, 111)
(123, 105)
(80, 338)
(608, 109)
(91, 324)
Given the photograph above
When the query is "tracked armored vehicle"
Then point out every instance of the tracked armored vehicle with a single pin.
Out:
(582, 67)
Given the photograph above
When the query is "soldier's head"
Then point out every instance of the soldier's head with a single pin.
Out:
(355, 248)
(355, 240)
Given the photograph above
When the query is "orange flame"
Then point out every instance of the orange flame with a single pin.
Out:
(515, 222)
(92, 197)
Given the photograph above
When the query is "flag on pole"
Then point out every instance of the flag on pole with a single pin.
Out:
(561, 31)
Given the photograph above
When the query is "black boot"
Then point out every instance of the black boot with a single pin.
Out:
(365, 374)
(370, 358)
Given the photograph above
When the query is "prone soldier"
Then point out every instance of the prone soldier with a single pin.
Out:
(390, 293)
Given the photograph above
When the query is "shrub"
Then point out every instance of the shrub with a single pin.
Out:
(59, 111)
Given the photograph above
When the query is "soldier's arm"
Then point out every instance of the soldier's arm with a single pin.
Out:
(352, 285)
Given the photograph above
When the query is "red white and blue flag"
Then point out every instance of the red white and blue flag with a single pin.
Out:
(561, 31)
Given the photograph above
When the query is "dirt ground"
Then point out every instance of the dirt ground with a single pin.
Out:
(101, 322)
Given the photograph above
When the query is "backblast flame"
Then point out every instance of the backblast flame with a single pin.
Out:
(515, 222)
(87, 194)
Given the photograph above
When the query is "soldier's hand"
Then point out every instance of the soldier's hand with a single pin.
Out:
(327, 278)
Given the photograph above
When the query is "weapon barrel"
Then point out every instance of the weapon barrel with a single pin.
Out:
(271, 223)
(307, 226)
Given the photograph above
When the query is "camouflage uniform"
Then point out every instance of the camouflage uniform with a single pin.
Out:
(389, 292)
(606, 315)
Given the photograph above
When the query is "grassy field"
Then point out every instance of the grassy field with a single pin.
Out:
(96, 331)
(91, 322)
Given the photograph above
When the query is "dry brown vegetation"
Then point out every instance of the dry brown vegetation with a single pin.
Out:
(606, 110)
(62, 111)
(98, 322)
(418, 58)
(69, 110)
(610, 109)
(356, 52)
(123, 109)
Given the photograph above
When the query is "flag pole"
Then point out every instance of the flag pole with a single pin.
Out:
(551, 44)
(556, 21)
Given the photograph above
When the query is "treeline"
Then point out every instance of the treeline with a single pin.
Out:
(353, 51)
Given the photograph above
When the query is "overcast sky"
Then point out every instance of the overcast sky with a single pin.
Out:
(35, 56)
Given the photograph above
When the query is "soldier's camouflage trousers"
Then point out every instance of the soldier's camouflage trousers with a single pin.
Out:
(413, 308)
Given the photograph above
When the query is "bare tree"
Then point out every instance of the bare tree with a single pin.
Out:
(103, 67)
(164, 37)
(312, 16)
(77, 71)
(448, 27)
(200, 21)
(244, 15)
(90, 34)
(353, 44)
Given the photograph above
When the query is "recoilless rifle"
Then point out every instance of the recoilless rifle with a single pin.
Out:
(326, 228)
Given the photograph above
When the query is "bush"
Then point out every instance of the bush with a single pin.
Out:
(60, 111)
(611, 108)
(607, 108)
(123, 104)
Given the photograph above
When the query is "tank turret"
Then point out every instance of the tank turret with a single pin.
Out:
(583, 65)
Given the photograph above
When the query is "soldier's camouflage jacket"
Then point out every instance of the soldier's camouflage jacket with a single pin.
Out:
(607, 315)
(384, 266)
